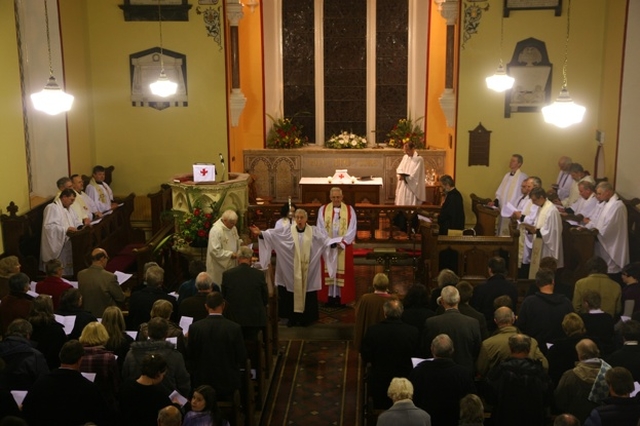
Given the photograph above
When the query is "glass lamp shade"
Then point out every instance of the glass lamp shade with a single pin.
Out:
(163, 87)
(500, 81)
(563, 112)
(52, 99)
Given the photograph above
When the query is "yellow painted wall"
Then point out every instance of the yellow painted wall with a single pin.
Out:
(541, 144)
(146, 146)
(610, 86)
(250, 131)
(13, 171)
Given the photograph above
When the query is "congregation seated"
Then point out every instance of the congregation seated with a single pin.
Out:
(403, 411)
(23, 363)
(71, 305)
(416, 307)
(65, 397)
(47, 332)
(439, 383)
(101, 362)
(53, 285)
(369, 308)
(388, 346)
(176, 376)
(578, 392)
(16, 304)
(141, 397)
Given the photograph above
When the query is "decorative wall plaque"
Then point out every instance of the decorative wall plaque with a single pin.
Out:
(509, 5)
(144, 69)
(479, 142)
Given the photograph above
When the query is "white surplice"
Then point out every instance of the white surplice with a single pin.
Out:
(509, 192)
(525, 243)
(54, 243)
(574, 192)
(292, 256)
(411, 191)
(564, 182)
(586, 208)
(549, 225)
(223, 242)
(613, 240)
(101, 194)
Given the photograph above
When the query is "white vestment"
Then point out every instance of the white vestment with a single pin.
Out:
(411, 191)
(297, 255)
(613, 240)
(525, 243)
(549, 226)
(101, 194)
(344, 223)
(91, 205)
(574, 192)
(54, 243)
(283, 222)
(223, 242)
(509, 192)
(76, 207)
(564, 182)
(586, 208)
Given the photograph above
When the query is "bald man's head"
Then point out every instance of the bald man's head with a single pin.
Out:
(99, 255)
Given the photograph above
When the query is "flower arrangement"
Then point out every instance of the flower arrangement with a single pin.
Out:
(285, 134)
(193, 226)
(346, 140)
(406, 131)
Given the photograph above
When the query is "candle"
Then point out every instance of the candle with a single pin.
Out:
(329, 179)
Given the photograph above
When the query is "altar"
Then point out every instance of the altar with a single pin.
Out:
(236, 198)
(316, 190)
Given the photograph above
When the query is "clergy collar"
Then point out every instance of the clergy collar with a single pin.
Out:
(300, 230)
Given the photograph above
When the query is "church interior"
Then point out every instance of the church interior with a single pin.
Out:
(242, 65)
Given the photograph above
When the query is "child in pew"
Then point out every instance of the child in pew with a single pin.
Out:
(204, 410)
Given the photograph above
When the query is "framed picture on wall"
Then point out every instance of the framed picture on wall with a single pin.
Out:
(515, 5)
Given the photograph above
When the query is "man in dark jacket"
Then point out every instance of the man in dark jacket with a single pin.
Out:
(520, 390)
(439, 383)
(620, 409)
(195, 306)
(495, 286)
(541, 315)
(388, 346)
(23, 363)
(452, 211)
(142, 301)
(629, 355)
(245, 291)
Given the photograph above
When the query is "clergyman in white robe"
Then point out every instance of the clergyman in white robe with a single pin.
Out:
(299, 253)
(101, 194)
(222, 247)
(613, 240)
(410, 190)
(548, 239)
(55, 243)
(509, 192)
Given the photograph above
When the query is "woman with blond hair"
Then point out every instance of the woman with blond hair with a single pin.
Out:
(163, 309)
(403, 411)
(9, 266)
(100, 361)
(47, 333)
(119, 341)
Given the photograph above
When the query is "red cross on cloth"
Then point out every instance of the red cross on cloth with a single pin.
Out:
(204, 172)
(341, 176)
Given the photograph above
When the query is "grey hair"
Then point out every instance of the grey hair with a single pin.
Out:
(400, 388)
(302, 212)
(154, 276)
(230, 215)
(450, 295)
(245, 253)
(204, 281)
(442, 346)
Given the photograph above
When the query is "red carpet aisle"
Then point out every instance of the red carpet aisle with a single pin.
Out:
(317, 384)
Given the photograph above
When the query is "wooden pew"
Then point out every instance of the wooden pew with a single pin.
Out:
(485, 217)
(578, 247)
(473, 253)
(161, 204)
(633, 225)
(114, 234)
